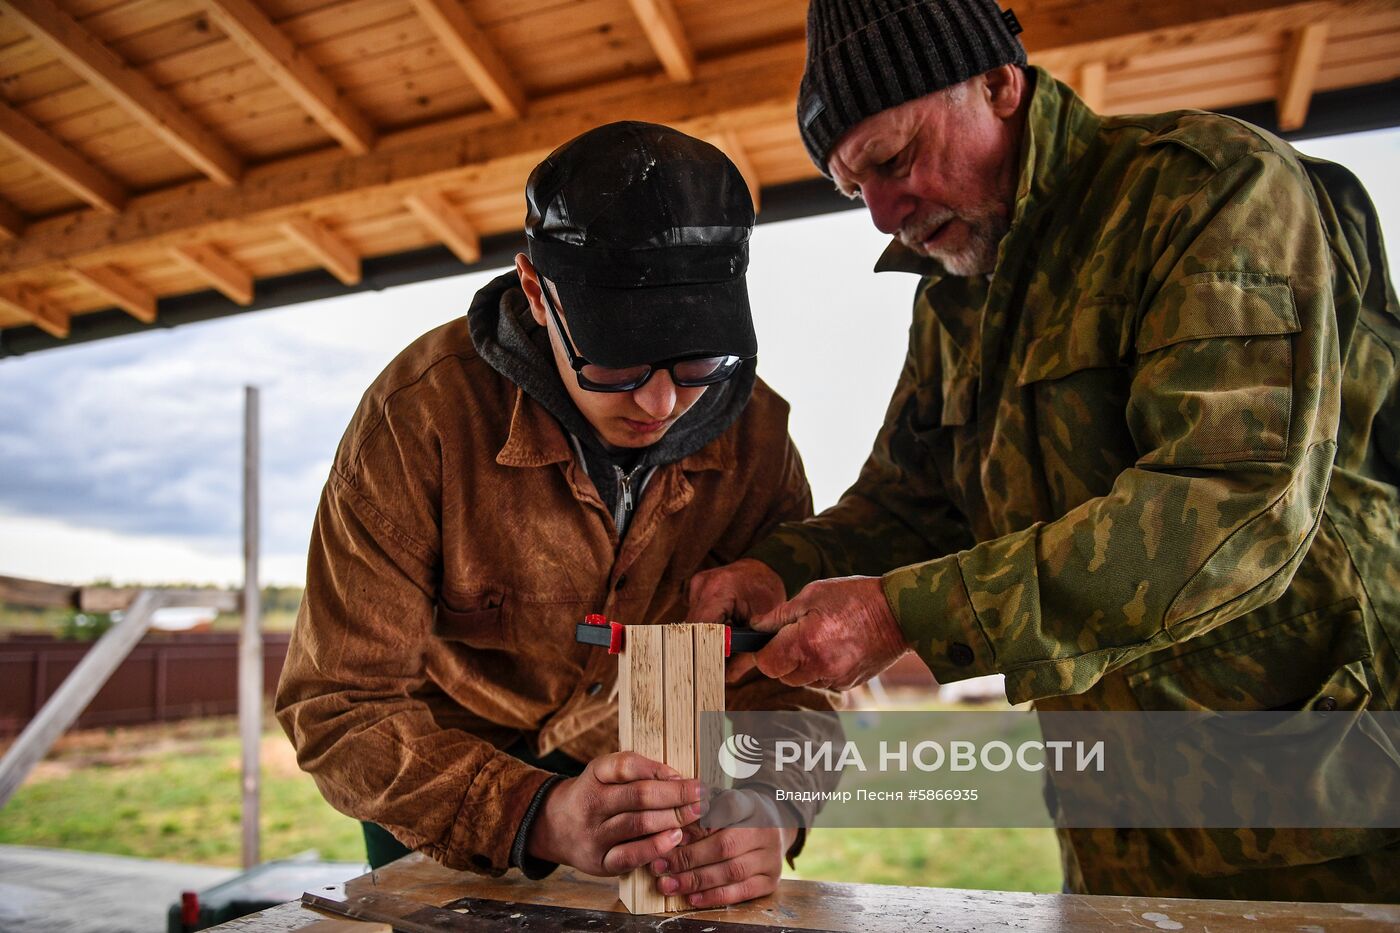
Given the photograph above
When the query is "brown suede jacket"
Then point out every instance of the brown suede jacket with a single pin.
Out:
(457, 543)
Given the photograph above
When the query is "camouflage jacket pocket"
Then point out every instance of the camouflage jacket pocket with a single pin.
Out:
(1213, 381)
(1319, 660)
(1092, 338)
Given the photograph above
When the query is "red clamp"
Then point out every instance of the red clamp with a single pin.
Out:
(615, 630)
(728, 638)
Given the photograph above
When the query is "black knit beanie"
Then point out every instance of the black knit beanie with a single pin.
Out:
(865, 56)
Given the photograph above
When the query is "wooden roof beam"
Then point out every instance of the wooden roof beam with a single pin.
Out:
(667, 37)
(59, 162)
(473, 52)
(1111, 30)
(727, 141)
(447, 224)
(336, 255)
(11, 221)
(218, 270)
(117, 287)
(263, 42)
(25, 301)
(733, 92)
(83, 52)
(1301, 64)
(1092, 84)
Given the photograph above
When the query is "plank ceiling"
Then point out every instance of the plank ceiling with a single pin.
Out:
(152, 148)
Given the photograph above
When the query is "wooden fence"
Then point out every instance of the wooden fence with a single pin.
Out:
(165, 677)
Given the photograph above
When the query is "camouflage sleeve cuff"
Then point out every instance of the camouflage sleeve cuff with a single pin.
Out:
(931, 603)
(796, 561)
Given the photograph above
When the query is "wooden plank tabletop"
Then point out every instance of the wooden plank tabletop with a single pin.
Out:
(867, 908)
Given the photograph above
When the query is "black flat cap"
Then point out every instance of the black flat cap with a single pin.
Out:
(644, 232)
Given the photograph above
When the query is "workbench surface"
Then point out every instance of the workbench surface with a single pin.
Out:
(867, 908)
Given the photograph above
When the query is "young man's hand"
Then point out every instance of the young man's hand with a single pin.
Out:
(623, 811)
(734, 593)
(737, 862)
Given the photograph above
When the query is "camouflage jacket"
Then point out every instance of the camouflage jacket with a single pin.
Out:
(1151, 462)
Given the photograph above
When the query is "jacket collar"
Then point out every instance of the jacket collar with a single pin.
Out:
(536, 439)
(1059, 128)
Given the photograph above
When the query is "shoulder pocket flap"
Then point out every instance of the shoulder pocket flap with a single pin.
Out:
(1220, 305)
(480, 616)
(1091, 340)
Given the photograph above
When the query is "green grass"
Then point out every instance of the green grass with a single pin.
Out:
(171, 792)
(173, 796)
(992, 859)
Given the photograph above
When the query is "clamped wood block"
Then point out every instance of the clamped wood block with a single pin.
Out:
(667, 676)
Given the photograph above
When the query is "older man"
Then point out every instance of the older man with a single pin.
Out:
(1145, 448)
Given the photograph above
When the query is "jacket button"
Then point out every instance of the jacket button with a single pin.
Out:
(1327, 704)
(595, 689)
(960, 654)
(621, 582)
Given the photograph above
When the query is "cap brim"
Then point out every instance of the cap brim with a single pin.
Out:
(629, 326)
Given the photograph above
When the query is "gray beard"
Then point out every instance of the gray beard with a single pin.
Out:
(977, 257)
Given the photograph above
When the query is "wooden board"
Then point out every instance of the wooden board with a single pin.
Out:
(709, 702)
(643, 707)
(681, 668)
(860, 908)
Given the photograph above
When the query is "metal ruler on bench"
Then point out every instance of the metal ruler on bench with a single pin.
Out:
(478, 915)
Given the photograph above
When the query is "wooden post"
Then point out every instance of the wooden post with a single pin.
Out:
(667, 676)
(709, 698)
(642, 707)
(250, 651)
(75, 693)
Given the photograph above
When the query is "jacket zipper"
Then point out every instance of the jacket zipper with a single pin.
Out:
(625, 502)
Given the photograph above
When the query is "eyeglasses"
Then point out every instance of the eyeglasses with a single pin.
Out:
(692, 370)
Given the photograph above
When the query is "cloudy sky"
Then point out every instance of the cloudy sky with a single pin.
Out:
(122, 459)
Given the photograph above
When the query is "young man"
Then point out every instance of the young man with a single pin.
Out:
(586, 439)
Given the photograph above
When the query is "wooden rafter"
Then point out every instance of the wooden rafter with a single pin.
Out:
(11, 221)
(262, 41)
(1092, 84)
(119, 288)
(216, 269)
(1301, 64)
(667, 36)
(25, 301)
(475, 54)
(483, 159)
(95, 63)
(59, 162)
(446, 223)
(1103, 30)
(727, 141)
(332, 252)
(728, 93)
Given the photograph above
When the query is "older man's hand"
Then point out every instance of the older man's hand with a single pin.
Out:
(835, 634)
(734, 593)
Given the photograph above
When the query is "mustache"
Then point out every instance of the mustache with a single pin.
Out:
(913, 233)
